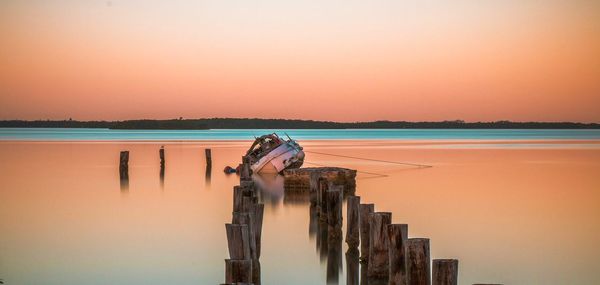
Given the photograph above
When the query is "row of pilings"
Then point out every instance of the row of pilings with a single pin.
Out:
(124, 166)
(381, 249)
(244, 232)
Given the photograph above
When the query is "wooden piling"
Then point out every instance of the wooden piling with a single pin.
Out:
(322, 199)
(352, 229)
(124, 165)
(247, 218)
(208, 154)
(378, 265)
(445, 272)
(334, 206)
(161, 154)
(259, 210)
(419, 261)
(238, 270)
(363, 222)
(245, 171)
(238, 241)
(398, 237)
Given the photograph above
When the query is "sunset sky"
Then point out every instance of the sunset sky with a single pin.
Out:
(326, 60)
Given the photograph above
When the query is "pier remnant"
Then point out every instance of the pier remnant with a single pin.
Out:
(124, 165)
(419, 261)
(299, 179)
(161, 154)
(238, 241)
(398, 261)
(364, 211)
(352, 214)
(378, 265)
(208, 154)
(445, 272)
(334, 206)
(238, 271)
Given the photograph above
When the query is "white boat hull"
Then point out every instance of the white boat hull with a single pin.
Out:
(282, 157)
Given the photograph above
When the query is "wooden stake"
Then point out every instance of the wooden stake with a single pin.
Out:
(208, 154)
(238, 241)
(398, 238)
(419, 261)
(379, 245)
(334, 207)
(124, 165)
(352, 213)
(445, 272)
(364, 211)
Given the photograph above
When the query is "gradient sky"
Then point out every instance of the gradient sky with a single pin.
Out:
(327, 60)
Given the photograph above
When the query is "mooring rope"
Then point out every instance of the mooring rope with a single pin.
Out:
(376, 160)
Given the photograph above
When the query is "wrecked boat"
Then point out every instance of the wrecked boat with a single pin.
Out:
(273, 154)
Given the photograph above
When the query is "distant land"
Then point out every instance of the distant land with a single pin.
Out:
(254, 123)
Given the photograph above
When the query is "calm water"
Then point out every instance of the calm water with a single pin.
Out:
(511, 213)
(354, 134)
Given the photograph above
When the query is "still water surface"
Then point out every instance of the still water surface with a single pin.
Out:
(511, 213)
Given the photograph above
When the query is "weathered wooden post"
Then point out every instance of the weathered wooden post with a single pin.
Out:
(334, 210)
(419, 261)
(247, 218)
(238, 241)
(238, 270)
(259, 210)
(445, 272)
(208, 154)
(378, 247)
(322, 199)
(124, 165)
(161, 154)
(352, 213)
(313, 184)
(245, 171)
(398, 238)
(364, 211)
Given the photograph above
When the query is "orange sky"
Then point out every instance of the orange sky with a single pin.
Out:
(326, 60)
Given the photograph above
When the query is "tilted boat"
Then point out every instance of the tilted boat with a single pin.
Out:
(273, 154)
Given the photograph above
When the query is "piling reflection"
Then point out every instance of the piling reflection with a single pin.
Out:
(352, 261)
(124, 183)
(207, 175)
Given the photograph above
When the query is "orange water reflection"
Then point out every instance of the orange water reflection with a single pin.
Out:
(517, 215)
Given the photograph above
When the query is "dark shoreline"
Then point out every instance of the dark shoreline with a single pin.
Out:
(235, 123)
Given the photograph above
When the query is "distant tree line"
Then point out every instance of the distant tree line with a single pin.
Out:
(253, 123)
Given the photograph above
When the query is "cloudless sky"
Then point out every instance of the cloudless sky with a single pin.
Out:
(345, 60)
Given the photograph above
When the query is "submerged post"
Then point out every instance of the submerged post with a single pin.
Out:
(352, 213)
(364, 211)
(445, 272)
(419, 272)
(378, 248)
(245, 171)
(334, 206)
(398, 237)
(161, 153)
(208, 155)
(124, 165)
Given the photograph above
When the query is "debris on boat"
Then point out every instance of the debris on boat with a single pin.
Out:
(273, 154)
